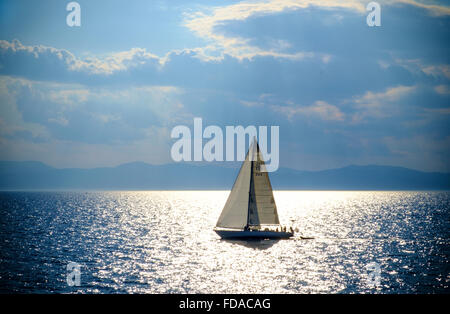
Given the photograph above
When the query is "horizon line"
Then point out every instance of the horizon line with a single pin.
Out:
(217, 164)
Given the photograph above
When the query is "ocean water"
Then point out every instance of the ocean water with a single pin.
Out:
(163, 242)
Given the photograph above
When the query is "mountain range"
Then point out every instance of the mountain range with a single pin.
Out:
(33, 175)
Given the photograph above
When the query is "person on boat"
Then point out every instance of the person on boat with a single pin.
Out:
(291, 230)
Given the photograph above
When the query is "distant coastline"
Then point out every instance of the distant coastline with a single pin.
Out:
(32, 175)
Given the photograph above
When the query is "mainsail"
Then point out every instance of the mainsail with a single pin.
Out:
(251, 201)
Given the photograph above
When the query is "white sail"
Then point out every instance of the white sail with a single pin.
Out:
(235, 212)
(251, 201)
(262, 207)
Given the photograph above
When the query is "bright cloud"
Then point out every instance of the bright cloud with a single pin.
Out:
(204, 25)
(379, 105)
(38, 57)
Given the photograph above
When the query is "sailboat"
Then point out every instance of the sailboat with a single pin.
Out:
(250, 210)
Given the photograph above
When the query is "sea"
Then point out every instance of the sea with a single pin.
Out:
(163, 242)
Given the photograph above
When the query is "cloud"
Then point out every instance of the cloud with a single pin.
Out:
(205, 25)
(379, 105)
(320, 109)
(442, 70)
(439, 111)
(11, 119)
(437, 10)
(442, 89)
(251, 103)
(86, 114)
(59, 120)
(30, 61)
(391, 94)
(69, 97)
(336, 87)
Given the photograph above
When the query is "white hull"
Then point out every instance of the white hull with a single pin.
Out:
(234, 234)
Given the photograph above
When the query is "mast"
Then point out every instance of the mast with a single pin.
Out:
(249, 194)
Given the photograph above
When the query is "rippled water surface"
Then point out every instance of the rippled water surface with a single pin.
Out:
(163, 242)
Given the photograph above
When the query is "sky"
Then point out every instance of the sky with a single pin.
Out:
(110, 91)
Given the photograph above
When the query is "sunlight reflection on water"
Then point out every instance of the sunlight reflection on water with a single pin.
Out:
(163, 242)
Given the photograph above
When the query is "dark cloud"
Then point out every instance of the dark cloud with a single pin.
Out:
(355, 93)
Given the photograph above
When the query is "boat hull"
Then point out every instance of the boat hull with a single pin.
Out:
(246, 234)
